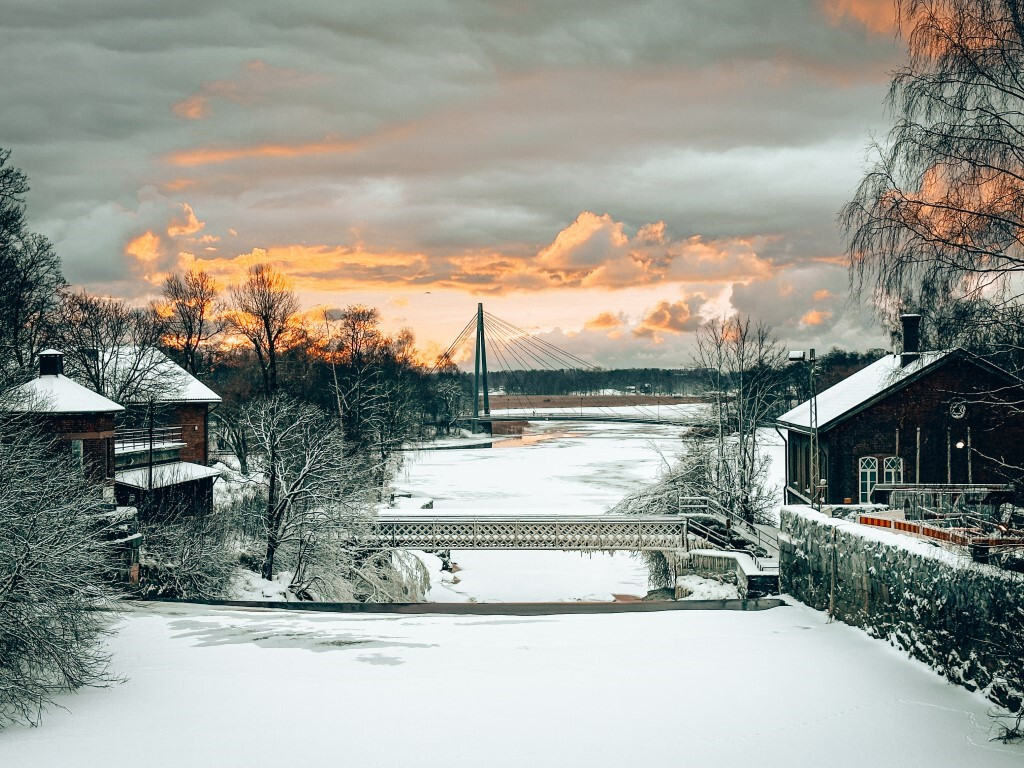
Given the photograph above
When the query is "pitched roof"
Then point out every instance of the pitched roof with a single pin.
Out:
(165, 474)
(56, 394)
(158, 374)
(860, 389)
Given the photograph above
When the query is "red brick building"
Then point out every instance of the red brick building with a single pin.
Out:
(80, 420)
(162, 444)
(921, 418)
(150, 453)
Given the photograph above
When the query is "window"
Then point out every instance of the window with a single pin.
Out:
(77, 456)
(892, 467)
(868, 477)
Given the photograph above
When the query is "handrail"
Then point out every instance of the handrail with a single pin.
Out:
(712, 537)
(140, 438)
(713, 507)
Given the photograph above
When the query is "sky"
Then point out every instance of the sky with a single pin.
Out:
(608, 174)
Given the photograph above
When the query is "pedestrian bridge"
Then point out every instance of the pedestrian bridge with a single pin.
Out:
(515, 530)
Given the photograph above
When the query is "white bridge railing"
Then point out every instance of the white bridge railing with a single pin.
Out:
(572, 532)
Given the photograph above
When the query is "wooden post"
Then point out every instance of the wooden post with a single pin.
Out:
(917, 461)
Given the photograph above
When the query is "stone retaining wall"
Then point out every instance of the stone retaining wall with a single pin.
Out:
(964, 619)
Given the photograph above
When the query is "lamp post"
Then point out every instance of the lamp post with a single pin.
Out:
(816, 482)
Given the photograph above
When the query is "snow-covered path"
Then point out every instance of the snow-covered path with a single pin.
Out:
(224, 687)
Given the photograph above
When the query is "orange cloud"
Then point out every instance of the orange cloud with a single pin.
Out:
(320, 267)
(145, 247)
(195, 107)
(823, 295)
(675, 317)
(877, 16)
(596, 252)
(604, 321)
(815, 317)
(189, 226)
(177, 185)
(217, 156)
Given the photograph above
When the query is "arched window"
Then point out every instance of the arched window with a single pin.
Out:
(892, 468)
(868, 477)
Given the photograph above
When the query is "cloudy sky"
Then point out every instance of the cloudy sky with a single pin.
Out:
(609, 173)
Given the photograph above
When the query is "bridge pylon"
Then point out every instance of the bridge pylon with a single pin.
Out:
(480, 370)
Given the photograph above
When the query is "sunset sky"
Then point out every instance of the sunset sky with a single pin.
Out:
(609, 173)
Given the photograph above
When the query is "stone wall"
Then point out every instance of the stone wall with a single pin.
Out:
(964, 619)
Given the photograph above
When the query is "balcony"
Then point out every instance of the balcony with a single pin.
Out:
(138, 440)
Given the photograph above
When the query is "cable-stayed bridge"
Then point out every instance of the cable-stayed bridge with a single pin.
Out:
(502, 346)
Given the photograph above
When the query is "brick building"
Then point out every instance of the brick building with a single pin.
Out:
(162, 445)
(915, 418)
(150, 452)
(79, 420)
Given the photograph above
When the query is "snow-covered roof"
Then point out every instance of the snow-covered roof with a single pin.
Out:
(56, 394)
(165, 475)
(858, 390)
(158, 374)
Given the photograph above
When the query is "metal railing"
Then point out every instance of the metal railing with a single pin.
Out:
(525, 531)
(139, 439)
(713, 537)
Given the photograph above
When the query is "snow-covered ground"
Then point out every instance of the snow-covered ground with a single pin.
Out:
(226, 687)
(562, 467)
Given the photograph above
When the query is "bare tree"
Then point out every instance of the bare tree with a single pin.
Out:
(939, 218)
(263, 309)
(53, 570)
(188, 315)
(358, 346)
(30, 277)
(112, 348)
(744, 365)
(311, 495)
(13, 188)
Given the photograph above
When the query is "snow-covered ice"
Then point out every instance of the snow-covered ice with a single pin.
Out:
(563, 467)
(228, 687)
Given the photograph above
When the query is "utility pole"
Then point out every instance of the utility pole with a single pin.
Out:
(815, 458)
(817, 484)
(149, 429)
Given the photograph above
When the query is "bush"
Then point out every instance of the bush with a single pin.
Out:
(54, 601)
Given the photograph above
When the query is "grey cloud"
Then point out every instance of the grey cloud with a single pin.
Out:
(478, 126)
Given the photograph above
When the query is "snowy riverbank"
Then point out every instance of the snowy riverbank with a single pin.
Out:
(227, 687)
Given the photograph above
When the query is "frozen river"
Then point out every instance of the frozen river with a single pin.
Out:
(557, 467)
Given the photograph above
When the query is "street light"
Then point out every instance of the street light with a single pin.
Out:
(817, 484)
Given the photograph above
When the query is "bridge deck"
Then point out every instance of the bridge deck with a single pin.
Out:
(529, 531)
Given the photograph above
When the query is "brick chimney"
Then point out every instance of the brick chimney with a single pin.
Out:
(911, 339)
(51, 363)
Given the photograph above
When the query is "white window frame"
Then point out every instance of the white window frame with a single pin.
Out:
(892, 470)
(867, 477)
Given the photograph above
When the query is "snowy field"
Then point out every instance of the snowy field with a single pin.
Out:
(226, 687)
(560, 467)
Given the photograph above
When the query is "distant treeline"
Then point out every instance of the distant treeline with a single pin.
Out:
(833, 366)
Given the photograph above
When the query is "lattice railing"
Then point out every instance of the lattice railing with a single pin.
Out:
(590, 532)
